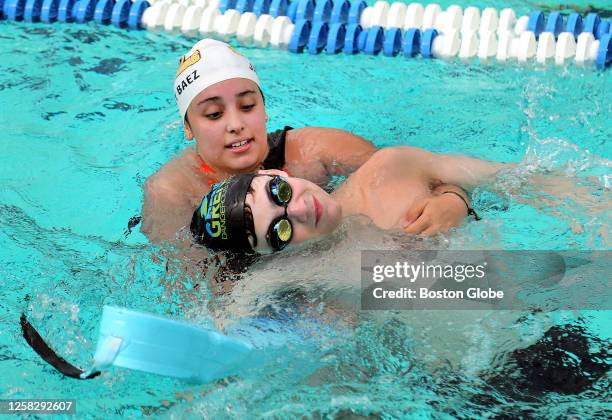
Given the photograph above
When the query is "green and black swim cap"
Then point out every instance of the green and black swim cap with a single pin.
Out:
(219, 223)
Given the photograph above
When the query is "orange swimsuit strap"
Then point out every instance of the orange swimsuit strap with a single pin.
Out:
(211, 172)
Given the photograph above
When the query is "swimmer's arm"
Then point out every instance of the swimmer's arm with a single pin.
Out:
(165, 210)
(463, 171)
(439, 212)
(327, 150)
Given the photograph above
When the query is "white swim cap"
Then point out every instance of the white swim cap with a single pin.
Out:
(208, 62)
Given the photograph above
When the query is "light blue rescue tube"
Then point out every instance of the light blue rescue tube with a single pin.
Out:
(153, 344)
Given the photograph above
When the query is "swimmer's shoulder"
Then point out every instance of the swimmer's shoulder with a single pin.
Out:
(393, 161)
(323, 137)
(181, 175)
(399, 154)
(325, 151)
(170, 196)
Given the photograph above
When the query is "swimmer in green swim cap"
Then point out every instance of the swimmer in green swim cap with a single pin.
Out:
(268, 211)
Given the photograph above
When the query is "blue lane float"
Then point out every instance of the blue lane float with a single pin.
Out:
(305, 10)
(343, 31)
(300, 36)
(322, 11)
(340, 12)
(279, 8)
(135, 16)
(574, 24)
(351, 39)
(536, 23)
(13, 9)
(103, 12)
(31, 12)
(411, 43)
(48, 11)
(361, 41)
(393, 42)
(374, 40)
(591, 23)
(554, 24)
(225, 5)
(357, 8)
(64, 11)
(84, 11)
(291, 10)
(604, 53)
(243, 6)
(121, 13)
(427, 42)
(262, 7)
(335, 38)
(603, 29)
(318, 37)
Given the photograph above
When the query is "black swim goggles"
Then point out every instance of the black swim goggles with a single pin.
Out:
(280, 231)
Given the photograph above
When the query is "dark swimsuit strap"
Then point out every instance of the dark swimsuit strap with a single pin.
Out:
(276, 146)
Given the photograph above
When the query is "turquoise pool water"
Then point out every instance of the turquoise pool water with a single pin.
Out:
(87, 114)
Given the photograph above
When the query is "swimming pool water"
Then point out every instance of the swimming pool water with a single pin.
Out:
(87, 114)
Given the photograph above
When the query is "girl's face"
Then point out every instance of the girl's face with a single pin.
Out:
(228, 122)
(311, 211)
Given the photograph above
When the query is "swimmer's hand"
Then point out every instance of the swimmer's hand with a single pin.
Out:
(435, 214)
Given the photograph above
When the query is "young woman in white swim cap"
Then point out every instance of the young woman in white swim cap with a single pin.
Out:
(222, 108)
